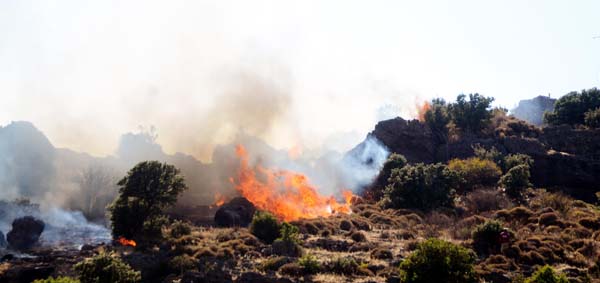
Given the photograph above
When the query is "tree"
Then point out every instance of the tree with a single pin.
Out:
(476, 172)
(592, 118)
(546, 274)
(472, 115)
(144, 193)
(375, 191)
(437, 118)
(439, 261)
(516, 180)
(571, 108)
(97, 189)
(421, 186)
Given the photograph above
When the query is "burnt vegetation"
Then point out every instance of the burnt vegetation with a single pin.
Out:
(483, 207)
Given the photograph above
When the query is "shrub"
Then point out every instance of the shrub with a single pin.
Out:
(310, 264)
(182, 263)
(358, 236)
(546, 274)
(60, 279)
(343, 265)
(421, 186)
(513, 160)
(438, 261)
(486, 200)
(106, 268)
(375, 191)
(473, 115)
(274, 263)
(288, 243)
(571, 108)
(486, 237)
(265, 227)
(476, 172)
(516, 180)
(491, 154)
(592, 118)
(180, 228)
(144, 193)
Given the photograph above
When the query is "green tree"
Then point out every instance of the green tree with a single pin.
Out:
(439, 261)
(476, 172)
(571, 108)
(592, 118)
(472, 115)
(105, 268)
(422, 186)
(437, 117)
(148, 189)
(394, 161)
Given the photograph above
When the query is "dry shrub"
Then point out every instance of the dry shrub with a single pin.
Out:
(531, 258)
(518, 213)
(557, 201)
(438, 219)
(292, 269)
(577, 259)
(358, 236)
(548, 218)
(463, 228)
(346, 225)
(495, 264)
(361, 223)
(381, 253)
(405, 234)
(486, 200)
(577, 232)
(274, 263)
(590, 223)
(553, 229)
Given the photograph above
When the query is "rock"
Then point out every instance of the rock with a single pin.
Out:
(411, 138)
(214, 276)
(3, 242)
(237, 212)
(25, 233)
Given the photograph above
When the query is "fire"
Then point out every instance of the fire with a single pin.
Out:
(288, 195)
(219, 199)
(295, 152)
(422, 109)
(125, 242)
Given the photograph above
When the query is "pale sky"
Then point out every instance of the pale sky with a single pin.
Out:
(85, 72)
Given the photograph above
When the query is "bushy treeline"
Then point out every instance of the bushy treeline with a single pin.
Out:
(576, 108)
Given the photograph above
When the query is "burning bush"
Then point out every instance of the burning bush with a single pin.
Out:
(421, 186)
(439, 261)
(265, 227)
(144, 193)
(106, 268)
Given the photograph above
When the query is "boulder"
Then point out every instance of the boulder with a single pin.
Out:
(411, 138)
(25, 233)
(3, 242)
(236, 213)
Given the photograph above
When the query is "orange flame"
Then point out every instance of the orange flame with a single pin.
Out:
(422, 109)
(219, 200)
(288, 195)
(125, 242)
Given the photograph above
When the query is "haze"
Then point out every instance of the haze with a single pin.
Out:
(311, 74)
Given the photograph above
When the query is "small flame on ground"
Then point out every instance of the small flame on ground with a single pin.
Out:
(422, 109)
(219, 200)
(288, 195)
(125, 242)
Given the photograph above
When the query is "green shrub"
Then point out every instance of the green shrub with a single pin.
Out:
(491, 154)
(439, 261)
(571, 108)
(516, 180)
(180, 228)
(182, 263)
(288, 243)
(310, 264)
(343, 265)
(420, 186)
(148, 189)
(486, 237)
(265, 227)
(513, 160)
(57, 280)
(106, 268)
(375, 191)
(546, 274)
(592, 118)
(476, 172)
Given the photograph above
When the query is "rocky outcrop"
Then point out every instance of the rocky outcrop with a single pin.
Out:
(532, 110)
(236, 213)
(564, 157)
(25, 233)
(411, 138)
